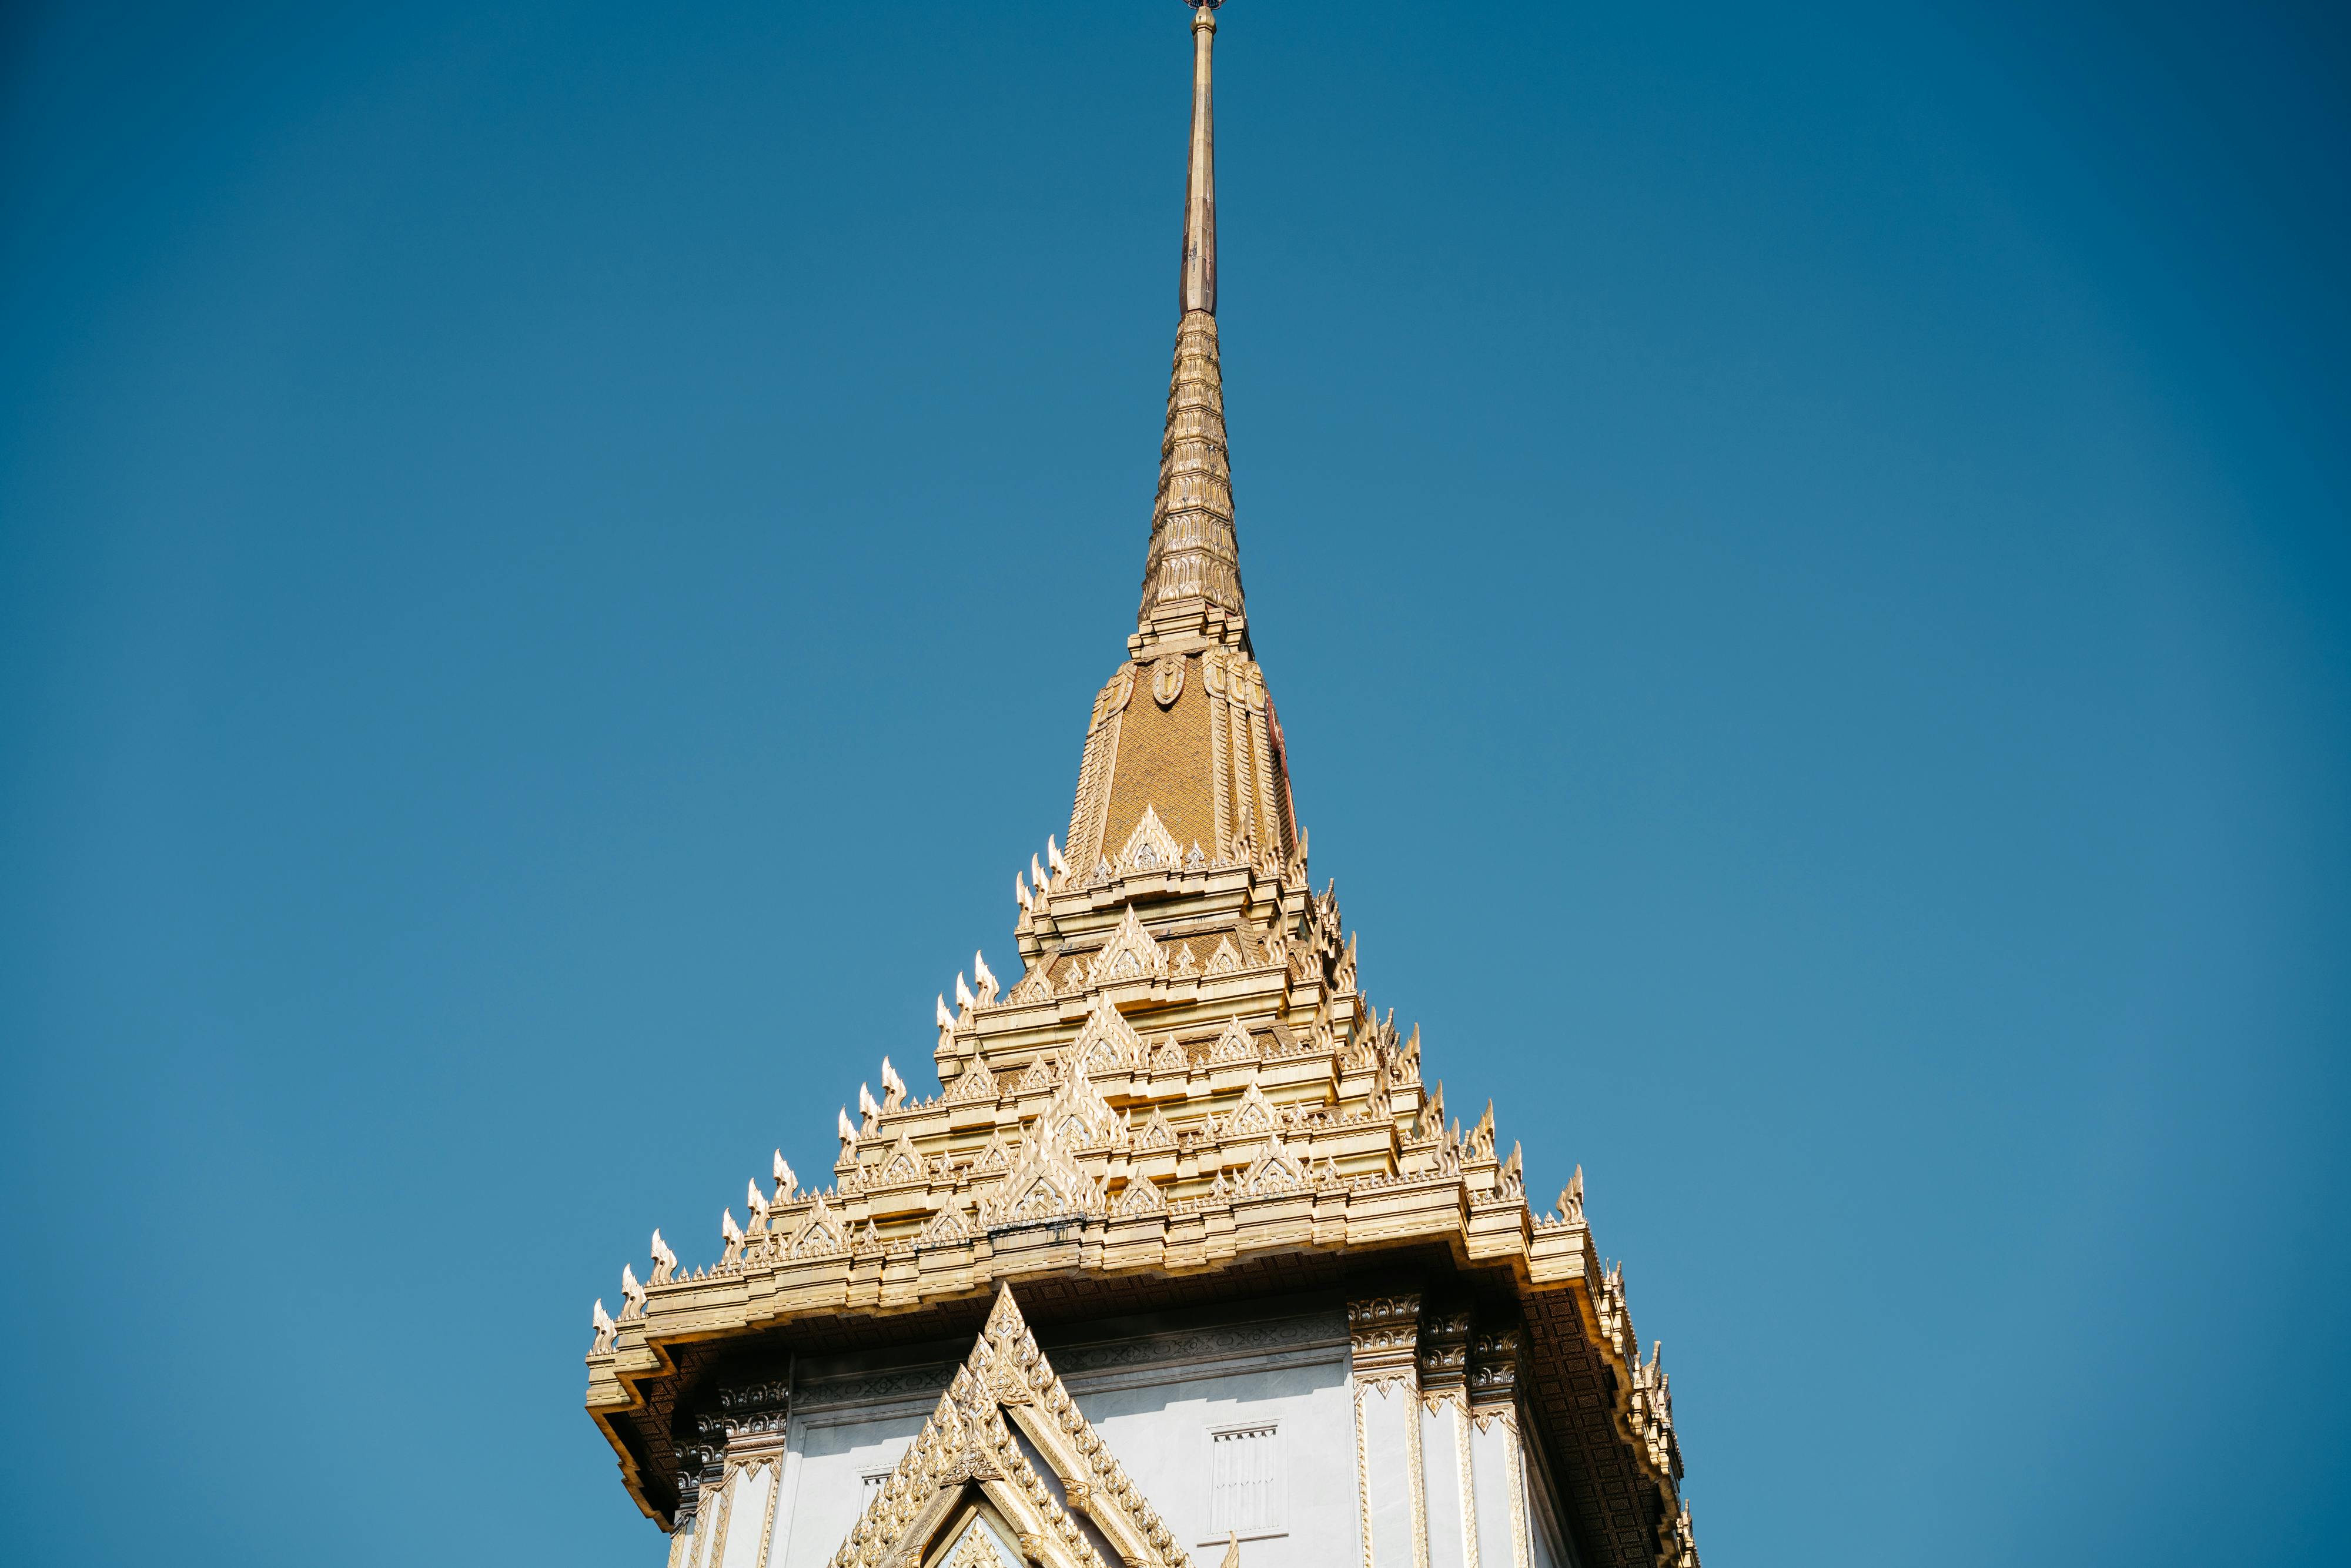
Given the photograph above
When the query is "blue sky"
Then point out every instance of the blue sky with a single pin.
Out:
(554, 560)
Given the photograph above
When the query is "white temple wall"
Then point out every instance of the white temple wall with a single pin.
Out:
(1548, 1543)
(833, 1454)
(1165, 1397)
(1390, 1415)
(1271, 1427)
(1501, 1513)
(1290, 1498)
(1450, 1544)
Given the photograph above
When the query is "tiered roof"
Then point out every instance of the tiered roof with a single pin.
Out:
(1186, 1096)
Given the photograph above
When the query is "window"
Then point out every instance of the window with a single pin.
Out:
(874, 1481)
(1244, 1481)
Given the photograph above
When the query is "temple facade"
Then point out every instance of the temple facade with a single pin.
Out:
(1186, 1255)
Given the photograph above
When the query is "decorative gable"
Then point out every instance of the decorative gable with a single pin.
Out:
(1078, 1116)
(979, 1547)
(1224, 960)
(1234, 1044)
(901, 1165)
(930, 1507)
(1151, 847)
(1045, 1184)
(948, 1224)
(1253, 1114)
(1275, 1170)
(1131, 953)
(1107, 1043)
(976, 1084)
(1157, 1133)
(1141, 1196)
(821, 1233)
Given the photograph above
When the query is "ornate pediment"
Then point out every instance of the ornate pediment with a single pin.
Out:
(964, 1483)
(976, 1084)
(1046, 1184)
(1079, 1117)
(948, 1224)
(1235, 1043)
(1043, 1074)
(979, 1546)
(1131, 953)
(1275, 1170)
(1224, 960)
(1141, 1196)
(900, 1165)
(820, 1233)
(1107, 1043)
(1151, 847)
(1253, 1114)
(1157, 1133)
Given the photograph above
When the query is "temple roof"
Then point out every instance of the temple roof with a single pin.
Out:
(1184, 1097)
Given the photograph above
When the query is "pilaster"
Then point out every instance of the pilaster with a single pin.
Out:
(1450, 1505)
(1497, 1464)
(1392, 1499)
(740, 1461)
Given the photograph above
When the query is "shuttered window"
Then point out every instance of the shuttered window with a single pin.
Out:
(1245, 1480)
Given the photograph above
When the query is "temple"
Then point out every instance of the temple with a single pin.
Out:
(1186, 1255)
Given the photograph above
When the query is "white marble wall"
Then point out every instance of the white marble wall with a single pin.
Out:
(1158, 1392)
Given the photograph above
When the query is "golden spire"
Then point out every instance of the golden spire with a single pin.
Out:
(1192, 554)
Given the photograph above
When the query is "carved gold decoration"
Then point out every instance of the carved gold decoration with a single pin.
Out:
(1006, 1382)
(1167, 680)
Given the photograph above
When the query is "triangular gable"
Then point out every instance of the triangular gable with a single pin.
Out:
(1107, 1043)
(1157, 1133)
(993, 1156)
(975, 1083)
(1151, 847)
(1275, 1170)
(1253, 1114)
(1131, 953)
(965, 1456)
(977, 1544)
(1141, 1196)
(1045, 1183)
(1079, 1117)
(901, 1163)
(948, 1224)
(820, 1234)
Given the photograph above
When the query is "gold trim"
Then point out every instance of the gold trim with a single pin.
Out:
(1412, 1446)
(1469, 1487)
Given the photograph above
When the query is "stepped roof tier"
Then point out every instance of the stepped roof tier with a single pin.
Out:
(1184, 1097)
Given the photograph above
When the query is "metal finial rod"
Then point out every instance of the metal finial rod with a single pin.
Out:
(1197, 288)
